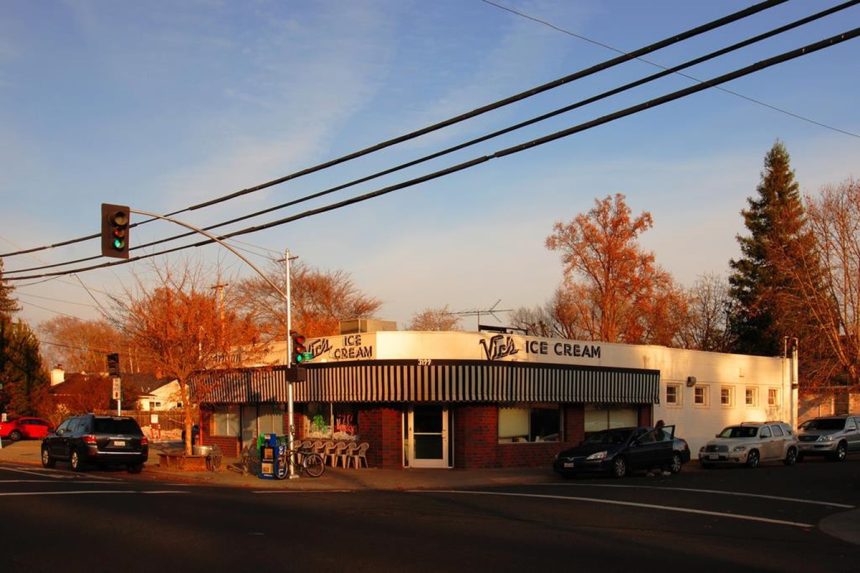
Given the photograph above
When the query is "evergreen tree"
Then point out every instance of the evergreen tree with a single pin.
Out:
(8, 305)
(763, 310)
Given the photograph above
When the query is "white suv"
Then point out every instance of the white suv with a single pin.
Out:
(749, 444)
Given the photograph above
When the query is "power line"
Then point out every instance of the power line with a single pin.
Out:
(486, 137)
(456, 119)
(655, 64)
(655, 102)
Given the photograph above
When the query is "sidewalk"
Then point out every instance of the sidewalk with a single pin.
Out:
(334, 479)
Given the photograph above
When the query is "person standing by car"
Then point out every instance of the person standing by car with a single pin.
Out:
(658, 434)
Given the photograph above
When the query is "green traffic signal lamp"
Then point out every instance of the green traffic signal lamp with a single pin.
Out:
(115, 230)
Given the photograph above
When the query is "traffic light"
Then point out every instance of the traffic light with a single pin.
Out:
(113, 364)
(300, 351)
(115, 227)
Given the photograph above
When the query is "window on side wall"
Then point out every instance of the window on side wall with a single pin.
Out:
(226, 420)
(751, 396)
(529, 424)
(773, 396)
(700, 395)
(603, 417)
(673, 394)
(727, 396)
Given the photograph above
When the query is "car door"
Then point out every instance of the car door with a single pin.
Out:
(852, 433)
(55, 442)
(765, 441)
(778, 437)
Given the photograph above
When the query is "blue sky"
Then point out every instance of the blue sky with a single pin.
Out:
(160, 105)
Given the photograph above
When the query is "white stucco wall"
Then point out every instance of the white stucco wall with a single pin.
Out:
(697, 423)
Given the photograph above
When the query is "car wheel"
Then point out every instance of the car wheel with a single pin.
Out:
(134, 468)
(790, 457)
(676, 463)
(47, 460)
(753, 459)
(619, 467)
(75, 461)
(15, 436)
(841, 452)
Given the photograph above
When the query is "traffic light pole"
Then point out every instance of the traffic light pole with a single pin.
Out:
(285, 295)
(291, 431)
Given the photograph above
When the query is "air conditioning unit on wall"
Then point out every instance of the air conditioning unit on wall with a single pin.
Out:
(691, 381)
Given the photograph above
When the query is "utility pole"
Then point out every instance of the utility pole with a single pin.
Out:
(288, 359)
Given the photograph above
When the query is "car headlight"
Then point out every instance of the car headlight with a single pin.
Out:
(739, 449)
(597, 456)
(825, 438)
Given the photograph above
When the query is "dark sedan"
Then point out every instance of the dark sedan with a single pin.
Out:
(619, 451)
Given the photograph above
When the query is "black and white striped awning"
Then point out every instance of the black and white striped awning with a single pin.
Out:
(381, 381)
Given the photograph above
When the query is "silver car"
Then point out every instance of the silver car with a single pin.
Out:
(749, 444)
(831, 436)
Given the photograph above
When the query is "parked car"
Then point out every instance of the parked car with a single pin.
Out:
(24, 428)
(831, 436)
(97, 439)
(619, 451)
(751, 443)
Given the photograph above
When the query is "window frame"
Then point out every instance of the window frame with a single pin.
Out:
(679, 401)
(730, 396)
(773, 397)
(751, 396)
(530, 438)
(706, 398)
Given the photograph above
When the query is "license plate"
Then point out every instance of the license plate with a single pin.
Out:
(119, 443)
(568, 464)
(714, 457)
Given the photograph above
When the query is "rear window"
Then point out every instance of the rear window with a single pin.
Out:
(116, 426)
(825, 424)
(739, 432)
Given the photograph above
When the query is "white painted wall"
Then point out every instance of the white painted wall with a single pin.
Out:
(695, 423)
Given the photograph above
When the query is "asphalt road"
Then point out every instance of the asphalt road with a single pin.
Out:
(769, 519)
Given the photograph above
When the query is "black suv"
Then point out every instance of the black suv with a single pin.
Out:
(97, 439)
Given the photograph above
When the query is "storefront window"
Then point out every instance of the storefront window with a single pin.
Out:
(331, 421)
(270, 419)
(532, 424)
(226, 419)
(603, 417)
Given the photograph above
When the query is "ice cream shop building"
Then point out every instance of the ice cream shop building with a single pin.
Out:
(490, 399)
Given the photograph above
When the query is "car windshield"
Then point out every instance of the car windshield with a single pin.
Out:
(608, 437)
(825, 424)
(739, 432)
(114, 426)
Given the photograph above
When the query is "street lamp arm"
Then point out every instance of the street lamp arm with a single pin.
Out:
(217, 240)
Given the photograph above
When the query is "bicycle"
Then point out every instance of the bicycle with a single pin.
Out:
(311, 463)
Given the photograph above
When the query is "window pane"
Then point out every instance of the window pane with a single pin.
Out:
(545, 424)
(513, 424)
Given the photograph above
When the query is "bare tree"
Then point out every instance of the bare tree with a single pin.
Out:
(828, 282)
(434, 319)
(706, 325)
(81, 345)
(320, 299)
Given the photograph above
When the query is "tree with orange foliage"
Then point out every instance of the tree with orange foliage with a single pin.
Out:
(320, 300)
(183, 328)
(613, 291)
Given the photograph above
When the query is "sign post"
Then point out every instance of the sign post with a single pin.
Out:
(117, 395)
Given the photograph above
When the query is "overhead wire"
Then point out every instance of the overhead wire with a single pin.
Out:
(661, 66)
(652, 103)
(581, 103)
(719, 22)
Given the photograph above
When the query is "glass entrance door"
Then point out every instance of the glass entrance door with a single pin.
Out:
(428, 436)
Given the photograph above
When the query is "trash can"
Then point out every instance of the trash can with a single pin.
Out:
(195, 434)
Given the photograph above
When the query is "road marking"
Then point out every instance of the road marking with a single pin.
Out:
(53, 474)
(626, 504)
(43, 481)
(83, 492)
(721, 492)
(302, 491)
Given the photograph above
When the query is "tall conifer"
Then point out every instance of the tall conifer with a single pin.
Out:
(763, 310)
